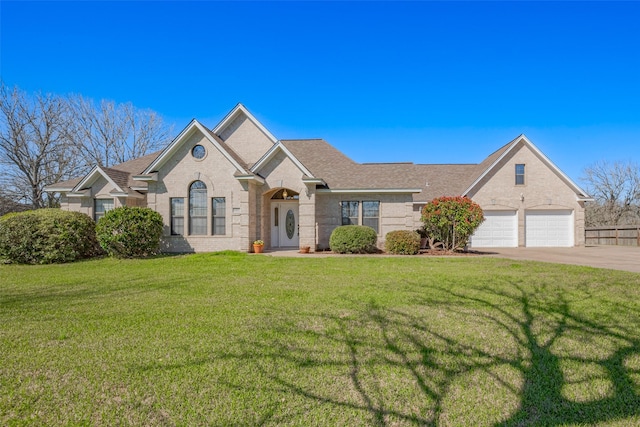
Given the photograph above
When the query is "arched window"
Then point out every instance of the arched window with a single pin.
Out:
(198, 208)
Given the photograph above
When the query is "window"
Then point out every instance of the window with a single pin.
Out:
(219, 211)
(519, 174)
(198, 208)
(101, 207)
(177, 216)
(350, 213)
(371, 214)
(198, 152)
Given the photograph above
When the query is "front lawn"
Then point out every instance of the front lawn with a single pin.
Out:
(255, 340)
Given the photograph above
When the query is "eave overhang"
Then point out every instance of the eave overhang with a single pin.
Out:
(250, 178)
(140, 189)
(80, 193)
(313, 181)
(146, 177)
(52, 189)
(130, 195)
(586, 199)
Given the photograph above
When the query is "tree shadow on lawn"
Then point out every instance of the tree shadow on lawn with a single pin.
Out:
(516, 356)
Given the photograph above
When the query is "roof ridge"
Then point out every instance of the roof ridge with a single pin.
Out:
(150, 156)
(447, 164)
(303, 139)
(387, 163)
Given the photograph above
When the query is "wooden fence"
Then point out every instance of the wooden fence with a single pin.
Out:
(623, 235)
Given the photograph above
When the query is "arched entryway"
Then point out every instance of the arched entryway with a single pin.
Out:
(284, 219)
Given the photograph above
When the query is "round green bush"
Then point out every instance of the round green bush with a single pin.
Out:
(402, 242)
(353, 239)
(46, 236)
(130, 232)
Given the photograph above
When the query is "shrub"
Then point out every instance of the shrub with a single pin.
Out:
(402, 242)
(47, 236)
(451, 220)
(130, 232)
(353, 239)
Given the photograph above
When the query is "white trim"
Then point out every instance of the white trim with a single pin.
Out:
(169, 148)
(139, 188)
(369, 190)
(180, 139)
(317, 181)
(586, 199)
(49, 189)
(254, 178)
(148, 177)
(90, 179)
(536, 151)
(132, 195)
(265, 157)
(83, 193)
(272, 152)
(234, 113)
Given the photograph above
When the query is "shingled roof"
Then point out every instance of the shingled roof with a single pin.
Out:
(122, 174)
(340, 172)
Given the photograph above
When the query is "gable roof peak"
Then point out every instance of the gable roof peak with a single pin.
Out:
(493, 159)
(280, 147)
(238, 110)
(111, 175)
(193, 126)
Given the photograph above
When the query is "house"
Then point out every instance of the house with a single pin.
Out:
(225, 187)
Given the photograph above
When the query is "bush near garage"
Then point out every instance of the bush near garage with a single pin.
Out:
(353, 239)
(452, 220)
(46, 236)
(130, 232)
(402, 242)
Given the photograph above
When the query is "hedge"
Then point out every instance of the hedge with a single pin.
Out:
(130, 232)
(402, 242)
(353, 239)
(46, 236)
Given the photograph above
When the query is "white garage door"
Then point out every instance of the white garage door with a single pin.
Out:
(499, 230)
(549, 228)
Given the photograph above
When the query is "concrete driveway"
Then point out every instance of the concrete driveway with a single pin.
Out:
(625, 258)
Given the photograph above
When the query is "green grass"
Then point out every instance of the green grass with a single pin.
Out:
(254, 340)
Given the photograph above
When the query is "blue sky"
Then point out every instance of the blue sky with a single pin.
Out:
(428, 82)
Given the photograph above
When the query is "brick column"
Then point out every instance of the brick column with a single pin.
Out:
(307, 217)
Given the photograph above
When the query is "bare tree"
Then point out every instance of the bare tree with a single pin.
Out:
(46, 139)
(98, 130)
(36, 148)
(111, 133)
(616, 190)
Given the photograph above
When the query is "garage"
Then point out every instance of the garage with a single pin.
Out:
(549, 228)
(499, 230)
